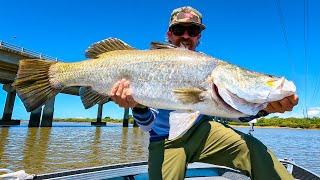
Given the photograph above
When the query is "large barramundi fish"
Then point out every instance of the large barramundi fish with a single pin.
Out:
(164, 77)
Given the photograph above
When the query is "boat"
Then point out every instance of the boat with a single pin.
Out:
(195, 171)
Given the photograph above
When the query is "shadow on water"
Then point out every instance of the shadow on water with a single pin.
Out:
(4, 133)
(124, 142)
(35, 148)
(67, 146)
(95, 148)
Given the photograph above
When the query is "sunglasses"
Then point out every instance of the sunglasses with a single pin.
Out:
(178, 30)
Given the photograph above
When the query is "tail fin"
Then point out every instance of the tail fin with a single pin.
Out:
(32, 83)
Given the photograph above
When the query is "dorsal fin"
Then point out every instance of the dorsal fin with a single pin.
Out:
(106, 45)
(159, 45)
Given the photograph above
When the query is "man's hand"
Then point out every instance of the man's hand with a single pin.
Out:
(283, 105)
(122, 94)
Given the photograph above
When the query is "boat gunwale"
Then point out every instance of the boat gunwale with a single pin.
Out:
(140, 167)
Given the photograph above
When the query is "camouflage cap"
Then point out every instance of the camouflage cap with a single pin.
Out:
(186, 15)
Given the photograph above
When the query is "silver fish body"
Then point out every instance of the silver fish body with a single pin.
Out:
(156, 75)
(163, 78)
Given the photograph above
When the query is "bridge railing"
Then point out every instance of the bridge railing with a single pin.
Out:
(26, 51)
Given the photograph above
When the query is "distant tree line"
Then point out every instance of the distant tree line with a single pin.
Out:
(310, 123)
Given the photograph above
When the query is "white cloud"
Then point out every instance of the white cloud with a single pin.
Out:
(314, 112)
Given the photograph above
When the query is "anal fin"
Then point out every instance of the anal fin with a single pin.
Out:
(90, 97)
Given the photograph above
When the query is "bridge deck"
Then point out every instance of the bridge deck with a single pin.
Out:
(10, 55)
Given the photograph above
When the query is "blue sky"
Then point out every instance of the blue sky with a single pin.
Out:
(247, 33)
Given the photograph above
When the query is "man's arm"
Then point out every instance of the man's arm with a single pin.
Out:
(121, 94)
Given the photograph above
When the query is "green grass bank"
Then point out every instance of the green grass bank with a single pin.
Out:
(310, 123)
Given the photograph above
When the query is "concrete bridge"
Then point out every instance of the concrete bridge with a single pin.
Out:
(10, 55)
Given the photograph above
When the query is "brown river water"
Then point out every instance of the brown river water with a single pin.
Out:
(68, 146)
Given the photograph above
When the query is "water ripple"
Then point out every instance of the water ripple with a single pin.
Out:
(67, 146)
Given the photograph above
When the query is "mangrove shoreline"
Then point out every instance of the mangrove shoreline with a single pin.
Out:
(304, 123)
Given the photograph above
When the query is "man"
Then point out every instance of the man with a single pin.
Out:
(207, 141)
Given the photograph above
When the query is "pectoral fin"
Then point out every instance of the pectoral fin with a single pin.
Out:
(180, 122)
(90, 97)
(189, 95)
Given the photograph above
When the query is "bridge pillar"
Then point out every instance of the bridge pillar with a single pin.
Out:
(35, 117)
(99, 117)
(125, 117)
(7, 112)
(47, 113)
